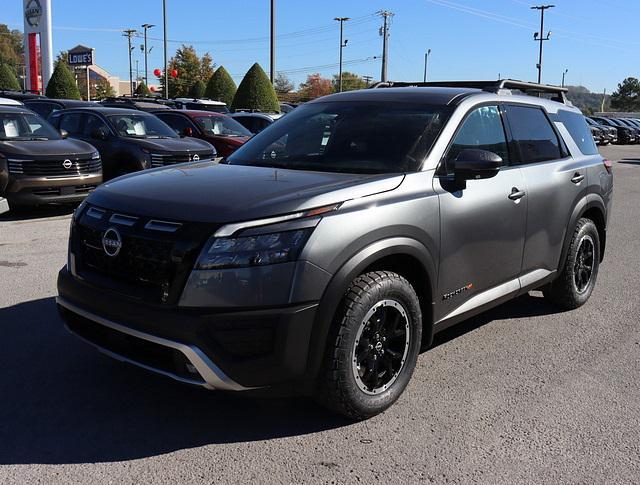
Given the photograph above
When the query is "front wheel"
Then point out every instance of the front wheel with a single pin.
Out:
(373, 346)
(576, 282)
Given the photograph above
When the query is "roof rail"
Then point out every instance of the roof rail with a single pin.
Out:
(498, 86)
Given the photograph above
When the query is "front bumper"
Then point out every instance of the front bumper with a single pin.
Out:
(214, 348)
(31, 190)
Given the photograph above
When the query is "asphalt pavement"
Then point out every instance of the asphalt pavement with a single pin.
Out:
(520, 394)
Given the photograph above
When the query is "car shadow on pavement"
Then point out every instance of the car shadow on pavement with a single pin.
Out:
(525, 306)
(40, 212)
(630, 161)
(63, 402)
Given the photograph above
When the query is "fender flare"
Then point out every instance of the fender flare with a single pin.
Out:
(353, 267)
(588, 202)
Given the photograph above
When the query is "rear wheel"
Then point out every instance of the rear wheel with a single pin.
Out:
(372, 349)
(576, 282)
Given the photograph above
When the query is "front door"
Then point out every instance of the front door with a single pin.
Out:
(482, 226)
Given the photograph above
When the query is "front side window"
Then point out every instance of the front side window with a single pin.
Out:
(141, 126)
(21, 126)
(579, 130)
(221, 125)
(482, 129)
(93, 124)
(72, 123)
(352, 137)
(177, 122)
(533, 134)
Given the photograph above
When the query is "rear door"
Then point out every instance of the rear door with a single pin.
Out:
(555, 182)
(483, 225)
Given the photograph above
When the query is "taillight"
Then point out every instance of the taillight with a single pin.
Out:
(608, 165)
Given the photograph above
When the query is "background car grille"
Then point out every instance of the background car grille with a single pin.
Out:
(162, 160)
(154, 261)
(54, 168)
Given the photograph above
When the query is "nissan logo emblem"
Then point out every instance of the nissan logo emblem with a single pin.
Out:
(111, 242)
(196, 157)
(67, 164)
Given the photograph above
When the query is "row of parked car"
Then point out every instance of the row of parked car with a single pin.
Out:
(622, 131)
(57, 151)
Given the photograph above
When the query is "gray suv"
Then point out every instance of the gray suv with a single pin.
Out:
(329, 249)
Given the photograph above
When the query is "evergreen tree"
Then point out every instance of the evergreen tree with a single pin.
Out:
(62, 85)
(221, 87)
(627, 96)
(256, 92)
(8, 79)
(197, 89)
(142, 89)
(104, 90)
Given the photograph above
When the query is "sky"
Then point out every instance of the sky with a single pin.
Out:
(596, 40)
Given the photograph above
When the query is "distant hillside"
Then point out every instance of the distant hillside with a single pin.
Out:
(587, 101)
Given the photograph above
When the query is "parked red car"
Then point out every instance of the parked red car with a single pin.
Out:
(223, 132)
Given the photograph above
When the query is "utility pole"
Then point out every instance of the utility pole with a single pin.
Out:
(272, 72)
(384, 32)
(540, 37)
(146, 69)
(426, 60)
(128, 34)
(342, 20)
(164, 24)
(604, 98)
(368, 79)
(563, 74)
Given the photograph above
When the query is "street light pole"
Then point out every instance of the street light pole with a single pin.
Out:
(384, 31)
(342, 20)
(164, 25)
(426, 60)
(272, 70)
(128, 34)
(146, 69)
(563, 74)
(540, 37)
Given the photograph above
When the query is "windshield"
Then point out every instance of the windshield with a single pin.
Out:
(353, 137)
(221, 125)
(23, 126)
(141, 126)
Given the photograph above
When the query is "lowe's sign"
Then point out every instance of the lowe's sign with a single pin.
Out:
(80, 58)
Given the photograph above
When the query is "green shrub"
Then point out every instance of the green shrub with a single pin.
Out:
(256, 92)
(197, 89)
(142, 89)
(62, 85)
(221, 87)
(8, 79)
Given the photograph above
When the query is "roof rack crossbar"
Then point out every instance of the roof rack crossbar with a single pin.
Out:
(489, 86)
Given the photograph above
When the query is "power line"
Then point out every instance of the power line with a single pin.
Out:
(384, 31)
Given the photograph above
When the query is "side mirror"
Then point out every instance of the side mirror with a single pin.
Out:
(187, 131)
(474, 164)
(99, 134)
(64, 134)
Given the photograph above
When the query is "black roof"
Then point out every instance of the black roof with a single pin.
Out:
(14, 109)
(105, 110)
(431, 95)
(67, 103)
(19, 95)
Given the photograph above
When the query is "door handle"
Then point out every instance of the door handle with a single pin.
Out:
(516, 194)
(577, 178)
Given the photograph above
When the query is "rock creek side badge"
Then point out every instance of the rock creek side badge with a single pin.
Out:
(448, 296)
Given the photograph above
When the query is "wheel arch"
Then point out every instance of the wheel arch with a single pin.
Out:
(405, 256)
(592, 207)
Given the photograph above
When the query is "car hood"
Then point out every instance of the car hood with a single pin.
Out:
(46, 148)
(173, 145)
(235, 141)
(208, 192)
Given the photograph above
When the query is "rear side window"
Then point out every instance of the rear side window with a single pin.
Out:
(482, 129)
(533, 134)
(577, 127)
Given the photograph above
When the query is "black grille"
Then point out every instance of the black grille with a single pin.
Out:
(54, 168)
(162, 160)
(154, 260)
(142, 351)
(77, 189)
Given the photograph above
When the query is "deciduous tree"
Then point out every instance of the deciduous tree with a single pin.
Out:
(315, 86)
(8, 78)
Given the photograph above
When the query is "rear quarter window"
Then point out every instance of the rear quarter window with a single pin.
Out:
(577, 127)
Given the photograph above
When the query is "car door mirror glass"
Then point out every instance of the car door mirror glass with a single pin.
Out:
(473, 164)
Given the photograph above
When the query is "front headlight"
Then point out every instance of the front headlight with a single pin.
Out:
(259, 250)
(95, 156)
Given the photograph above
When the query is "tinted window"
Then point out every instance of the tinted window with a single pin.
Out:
(579, 131)
(43, 109)
(533, 134)
(221, 125)
(72, 123)
(482, 129)
(354, 137)
(94, 123)
(177, 122)
(21, 126)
